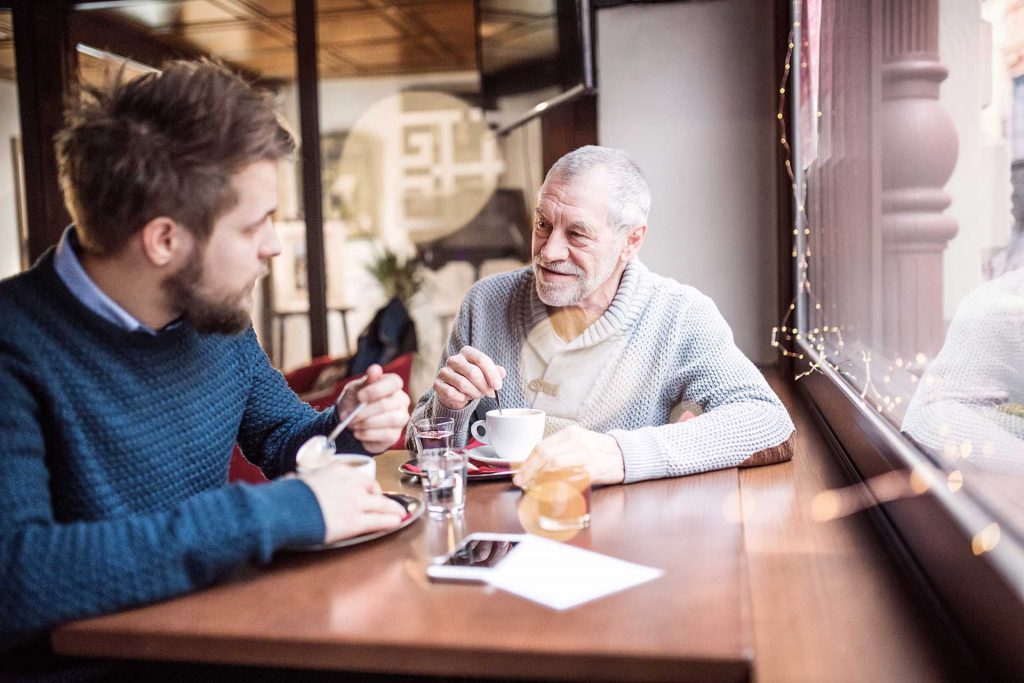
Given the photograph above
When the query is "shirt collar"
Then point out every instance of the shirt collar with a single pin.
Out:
(71, 272)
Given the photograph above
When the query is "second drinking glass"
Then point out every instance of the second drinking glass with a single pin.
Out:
(433, 433)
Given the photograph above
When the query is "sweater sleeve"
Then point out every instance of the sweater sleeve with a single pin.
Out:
(276, 422)
(972, 392)
(54, 570)
(742, 415)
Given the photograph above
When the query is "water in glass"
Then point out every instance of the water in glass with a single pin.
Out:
(444, 480)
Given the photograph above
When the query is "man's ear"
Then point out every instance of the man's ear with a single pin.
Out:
(634, 240)
(164, 240)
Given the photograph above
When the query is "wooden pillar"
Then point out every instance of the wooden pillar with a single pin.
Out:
(918, 150)
(564, 128)
(312, 198)
(45, 65)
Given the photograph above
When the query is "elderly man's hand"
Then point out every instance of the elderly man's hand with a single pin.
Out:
(599, 453)
(468, 375)
(383, 419)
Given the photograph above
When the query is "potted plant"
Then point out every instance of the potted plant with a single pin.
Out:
(400, 278)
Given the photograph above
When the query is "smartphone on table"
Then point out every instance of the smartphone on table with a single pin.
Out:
(475, 557)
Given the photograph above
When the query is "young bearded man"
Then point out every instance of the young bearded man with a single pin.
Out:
(129, 367)
(609, 350)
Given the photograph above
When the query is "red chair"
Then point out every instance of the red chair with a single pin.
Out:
(301, 380)
(305, 377)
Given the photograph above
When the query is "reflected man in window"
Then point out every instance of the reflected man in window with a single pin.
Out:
(970, 402)
(129, 367)
(606, 348)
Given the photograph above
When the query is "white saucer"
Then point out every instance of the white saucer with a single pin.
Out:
(487, 454)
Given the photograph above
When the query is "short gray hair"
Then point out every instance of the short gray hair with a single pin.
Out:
(629, 198)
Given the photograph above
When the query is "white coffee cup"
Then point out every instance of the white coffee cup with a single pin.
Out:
(512, 432)
(313, 460)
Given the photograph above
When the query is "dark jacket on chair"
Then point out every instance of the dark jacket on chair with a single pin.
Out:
(390, 334)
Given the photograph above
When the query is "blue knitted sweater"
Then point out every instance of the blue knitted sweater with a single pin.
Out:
(114, 453)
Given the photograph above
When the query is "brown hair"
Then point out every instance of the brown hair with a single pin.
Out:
(162, 144)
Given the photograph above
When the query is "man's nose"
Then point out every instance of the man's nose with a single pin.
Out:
(555, 248)
(271, 245)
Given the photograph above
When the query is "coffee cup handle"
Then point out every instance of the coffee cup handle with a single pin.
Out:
(479, 432)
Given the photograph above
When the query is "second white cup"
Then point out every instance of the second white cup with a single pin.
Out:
(512, 432)
(358, 462)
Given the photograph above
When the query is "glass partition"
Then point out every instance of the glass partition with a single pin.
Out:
(419, 200)
(255, 38)
(419, 191)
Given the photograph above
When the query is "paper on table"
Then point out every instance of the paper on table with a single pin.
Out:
(563, 576)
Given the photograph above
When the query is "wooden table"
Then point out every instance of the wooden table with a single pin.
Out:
(745, 565)
(371, 608)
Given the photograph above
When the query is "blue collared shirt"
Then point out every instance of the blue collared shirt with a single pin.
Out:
(70, 271)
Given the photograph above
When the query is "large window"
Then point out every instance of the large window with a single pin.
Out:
(909, 252)
(127, 39)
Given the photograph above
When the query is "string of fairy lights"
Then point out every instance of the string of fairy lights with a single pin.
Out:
(786, 334)
(828, 343)
(826, 339)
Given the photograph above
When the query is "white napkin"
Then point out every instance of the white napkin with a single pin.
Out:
(562, 576)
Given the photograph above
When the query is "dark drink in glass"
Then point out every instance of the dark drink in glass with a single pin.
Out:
(434, 433)
(434, 439)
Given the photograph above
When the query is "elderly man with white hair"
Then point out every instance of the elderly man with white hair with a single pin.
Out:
(609, 350)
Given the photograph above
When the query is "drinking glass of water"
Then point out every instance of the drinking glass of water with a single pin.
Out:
(433, 432)
(443, 480)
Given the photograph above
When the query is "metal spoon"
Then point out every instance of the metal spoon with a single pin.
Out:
(498, 400)
(317, 450)
(344, 423)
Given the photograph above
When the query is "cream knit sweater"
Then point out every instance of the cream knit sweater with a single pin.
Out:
(677, 348)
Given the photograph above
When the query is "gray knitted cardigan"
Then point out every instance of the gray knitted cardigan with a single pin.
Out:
(678, 349)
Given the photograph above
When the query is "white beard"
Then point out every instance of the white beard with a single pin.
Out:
(571, 293)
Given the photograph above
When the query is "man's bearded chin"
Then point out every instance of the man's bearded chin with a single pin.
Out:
(564, 294)
(570, 293)
(205, 315)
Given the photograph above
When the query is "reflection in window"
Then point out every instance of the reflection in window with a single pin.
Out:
(100, 68)
(969, 406)
(910, 144)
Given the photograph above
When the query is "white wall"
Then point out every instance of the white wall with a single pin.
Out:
(10, 258)
(688, 90)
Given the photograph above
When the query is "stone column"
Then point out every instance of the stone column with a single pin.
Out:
(918, 153)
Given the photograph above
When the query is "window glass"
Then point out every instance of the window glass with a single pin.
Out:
(910, 148)
(410, 169)
(257, 39)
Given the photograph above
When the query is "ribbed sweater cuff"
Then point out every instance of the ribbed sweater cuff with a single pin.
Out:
(461, 417)
(641, 456)
(294, 517)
